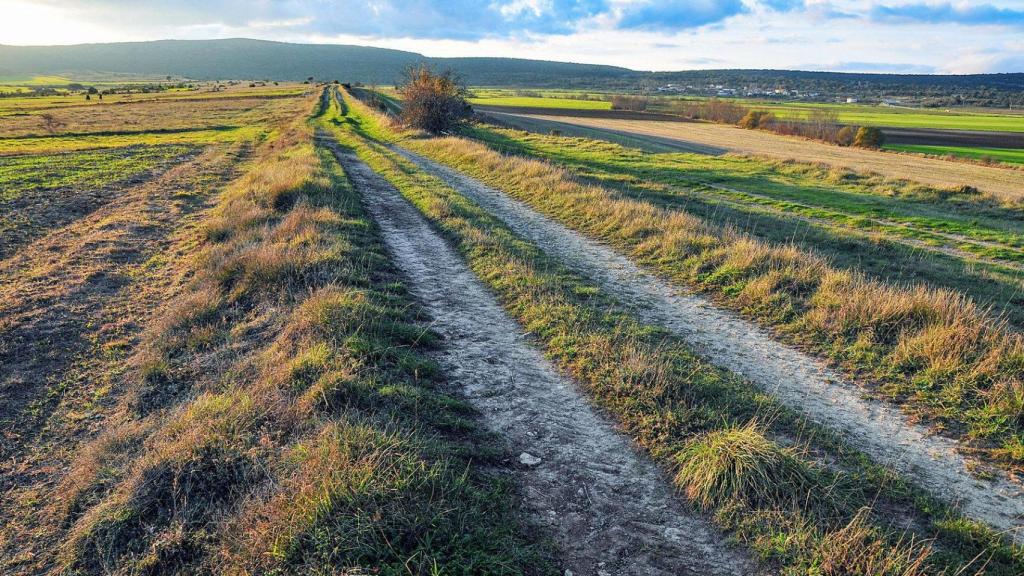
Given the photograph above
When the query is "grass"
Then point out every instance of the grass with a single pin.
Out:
(284, 416)
(786, 488)
(81, 169)
(896, 231)
(1006, 155)
(934, 352)
(543, 102)
(855, 114)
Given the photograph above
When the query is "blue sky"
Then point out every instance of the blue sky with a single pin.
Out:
(925, 36)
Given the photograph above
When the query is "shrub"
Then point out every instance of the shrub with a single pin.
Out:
(846, 136)
(869, 137)
(633, 103)
(757, 119)
(433, 102)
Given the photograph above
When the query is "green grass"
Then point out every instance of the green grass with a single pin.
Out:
(59, 143)
(88, 169)
(895, 231)
(756, 466)
(545, 102)
(1007, 155)
(856, 114)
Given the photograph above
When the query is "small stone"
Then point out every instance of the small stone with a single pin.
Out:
(568, 573)
(528, 459)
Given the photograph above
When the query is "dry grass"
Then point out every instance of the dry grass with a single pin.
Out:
(285, 419)
(937, 353)
(733, 450)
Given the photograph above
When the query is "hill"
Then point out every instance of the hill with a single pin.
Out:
(254, 59)
(248, 59)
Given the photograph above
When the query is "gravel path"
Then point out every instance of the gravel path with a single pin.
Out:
(609, 510)
(796, 379)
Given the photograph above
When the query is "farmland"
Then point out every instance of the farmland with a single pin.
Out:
(272, 330)
(855, 114)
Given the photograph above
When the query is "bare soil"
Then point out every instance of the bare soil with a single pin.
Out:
(609, 509)
(798, 380)
(72, 305)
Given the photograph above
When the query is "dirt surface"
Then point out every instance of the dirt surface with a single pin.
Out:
(1006, 183)
(72, 304)
(796, 379)
(39, 210)
(608, 509)
(936, 137)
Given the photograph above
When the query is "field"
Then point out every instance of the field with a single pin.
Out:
(707, 138)
(855, 114)
(543, 102)
(1006, 155)
(271, 331)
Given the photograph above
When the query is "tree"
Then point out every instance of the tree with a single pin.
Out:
(846, 135)
(757, 119)
(869, 137)
(433, 102)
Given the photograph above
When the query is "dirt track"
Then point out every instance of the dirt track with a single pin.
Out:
(693, 136)
(796, 379)
(609, 510)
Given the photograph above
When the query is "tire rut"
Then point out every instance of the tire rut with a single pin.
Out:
(609, 509)
(798, 380)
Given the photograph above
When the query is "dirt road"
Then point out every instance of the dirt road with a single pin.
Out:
(796, 379)
(609, 510)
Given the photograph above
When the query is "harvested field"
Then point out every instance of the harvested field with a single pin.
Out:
(1005, 183)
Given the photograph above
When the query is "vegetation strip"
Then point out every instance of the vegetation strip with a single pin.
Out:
(581, 477)
(784, 486)
(286, 418)
(738, 346)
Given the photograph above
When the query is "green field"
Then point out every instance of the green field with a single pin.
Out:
(543, 102)
(1007, 155)
(856, 114)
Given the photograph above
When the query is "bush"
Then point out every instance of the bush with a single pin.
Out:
(757, 119)
(632, 103)
(868, 137)
(433, 102)
(846, 136)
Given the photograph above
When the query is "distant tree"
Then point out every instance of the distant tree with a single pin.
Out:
(632, 103)
(434, 102)
(93, 90)
(846, 135)
(869, 137)
(87, 96)
(757, 119)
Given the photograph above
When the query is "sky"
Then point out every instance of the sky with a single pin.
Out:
(906, 36)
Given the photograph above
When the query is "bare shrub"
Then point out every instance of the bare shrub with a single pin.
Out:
(434, 102)
(632, 103)
(715, 110)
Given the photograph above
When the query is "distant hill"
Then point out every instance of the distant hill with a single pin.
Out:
(258, 59)
(254, 59)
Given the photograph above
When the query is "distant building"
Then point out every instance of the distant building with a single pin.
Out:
(852, 100)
